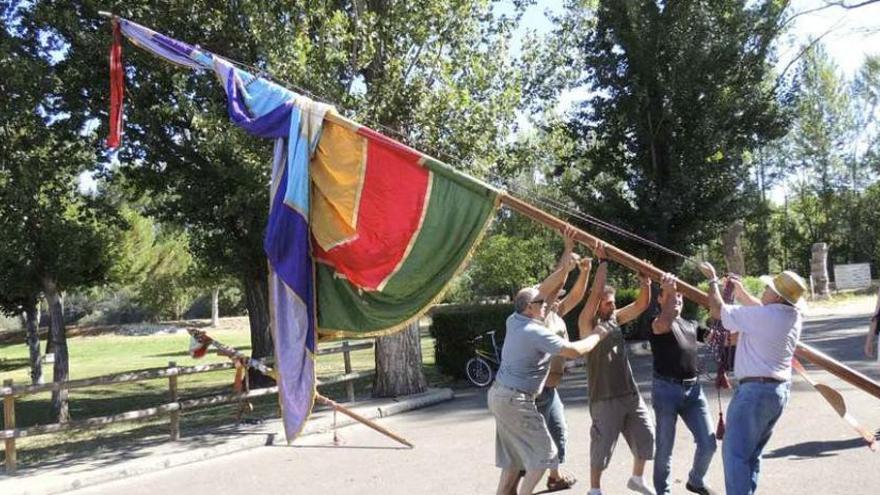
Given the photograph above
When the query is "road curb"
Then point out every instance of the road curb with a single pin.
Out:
(46, 482)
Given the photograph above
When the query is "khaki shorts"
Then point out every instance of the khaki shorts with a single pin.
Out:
(627, 415)
(522, 440)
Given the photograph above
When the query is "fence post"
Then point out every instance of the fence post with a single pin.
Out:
(9, 424)
(172, 391)
(349, 385)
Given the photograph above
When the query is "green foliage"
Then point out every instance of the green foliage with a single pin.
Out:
(829, 162)
(51, 230)
(504, 264)
(680, 92)
(404, 65)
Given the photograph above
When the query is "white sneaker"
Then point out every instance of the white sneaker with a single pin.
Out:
(595, 491)
(637, 484)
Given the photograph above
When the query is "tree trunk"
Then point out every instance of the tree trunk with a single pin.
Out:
(61, 368)
(399, 364)
(32, 319)
(731, 242)
(256, 290)
(819, 270)
(50, 344)
(215, 307)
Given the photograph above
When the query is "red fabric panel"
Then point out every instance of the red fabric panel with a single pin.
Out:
(390, 210)
(117, 88)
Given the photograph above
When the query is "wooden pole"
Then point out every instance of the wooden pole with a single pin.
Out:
(357, 417)
(172, 393)
(615, 254)
(232, 354)
(9, 424)
(837, 403)
(346, 357)
(837, 369)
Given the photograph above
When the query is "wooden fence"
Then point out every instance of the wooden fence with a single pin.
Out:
(9, 391)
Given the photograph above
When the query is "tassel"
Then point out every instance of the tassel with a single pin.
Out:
(117, 88)
(721, 380)
(719, 430)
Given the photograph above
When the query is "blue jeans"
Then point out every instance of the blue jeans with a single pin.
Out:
(751, 415)
(671, 400)
(550, 406)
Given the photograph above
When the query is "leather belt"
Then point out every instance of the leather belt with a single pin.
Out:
(761, 379)
(679, 381)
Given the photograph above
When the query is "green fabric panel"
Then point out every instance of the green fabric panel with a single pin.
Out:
(454, 221)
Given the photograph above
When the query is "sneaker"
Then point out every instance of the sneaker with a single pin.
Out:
(702, 490)
(637, 484)
(595, 491)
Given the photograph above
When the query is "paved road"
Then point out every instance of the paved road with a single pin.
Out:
(812, 450)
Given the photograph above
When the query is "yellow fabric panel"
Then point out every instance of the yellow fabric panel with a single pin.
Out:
(337, 172)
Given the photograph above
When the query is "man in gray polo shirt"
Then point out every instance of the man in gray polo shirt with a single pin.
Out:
(522, 441)
(768, 335)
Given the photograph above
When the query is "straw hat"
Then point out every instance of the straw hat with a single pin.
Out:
(789, 285)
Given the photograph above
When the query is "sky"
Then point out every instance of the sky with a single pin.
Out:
(848, 35)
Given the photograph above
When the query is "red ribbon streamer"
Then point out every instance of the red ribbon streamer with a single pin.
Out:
(117, 88)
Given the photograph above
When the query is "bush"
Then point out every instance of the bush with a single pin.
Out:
(454, 326)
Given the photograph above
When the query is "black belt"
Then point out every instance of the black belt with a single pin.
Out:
(679, 381)
(760, 379)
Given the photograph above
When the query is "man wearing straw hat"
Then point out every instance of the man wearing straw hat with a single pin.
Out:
(768, 335)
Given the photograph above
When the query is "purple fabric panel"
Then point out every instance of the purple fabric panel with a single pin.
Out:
(274, 124)
(148, 40)
(287, 247)
(296, 368)
(174, 45)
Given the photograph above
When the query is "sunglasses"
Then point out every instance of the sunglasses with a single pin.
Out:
(538, 301)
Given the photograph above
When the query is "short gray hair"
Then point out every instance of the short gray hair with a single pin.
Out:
(524, 297)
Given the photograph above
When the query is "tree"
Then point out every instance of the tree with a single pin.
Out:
(55, 237)
(406, 66)
(680, 91)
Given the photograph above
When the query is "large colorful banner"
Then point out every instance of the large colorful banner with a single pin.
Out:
(364, 233)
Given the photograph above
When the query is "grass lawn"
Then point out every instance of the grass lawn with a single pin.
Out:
(107, 354)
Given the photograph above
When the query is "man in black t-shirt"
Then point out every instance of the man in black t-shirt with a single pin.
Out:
(677, 392)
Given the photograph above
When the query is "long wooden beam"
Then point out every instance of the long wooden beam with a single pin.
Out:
(803, 351)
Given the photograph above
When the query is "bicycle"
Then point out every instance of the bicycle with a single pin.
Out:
(481, 368)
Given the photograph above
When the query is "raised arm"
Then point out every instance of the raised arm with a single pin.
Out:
(663, 322)
(580, 287)
(742, 295)
(568, 243)
(632, 310)
(586, 344)
(588, 313)
(551, 285)
(715, 300)
(567, 256)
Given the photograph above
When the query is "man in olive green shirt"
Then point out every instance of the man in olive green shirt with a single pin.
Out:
(615, 404)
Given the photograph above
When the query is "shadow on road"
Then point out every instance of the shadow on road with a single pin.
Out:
(807, 450)
(346, 447)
